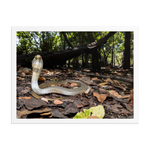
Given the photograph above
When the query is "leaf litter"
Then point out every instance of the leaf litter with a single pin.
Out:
(114, 96)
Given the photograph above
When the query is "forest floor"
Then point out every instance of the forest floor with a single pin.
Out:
(115, 96)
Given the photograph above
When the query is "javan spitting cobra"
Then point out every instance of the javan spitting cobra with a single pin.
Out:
(44, 88)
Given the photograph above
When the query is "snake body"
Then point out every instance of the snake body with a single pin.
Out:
(44, 88)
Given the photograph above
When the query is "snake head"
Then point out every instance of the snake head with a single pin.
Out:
(37, 62)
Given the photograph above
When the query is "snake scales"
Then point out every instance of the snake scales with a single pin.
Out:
(44, 88)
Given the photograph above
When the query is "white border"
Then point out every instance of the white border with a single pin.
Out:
(72, 28)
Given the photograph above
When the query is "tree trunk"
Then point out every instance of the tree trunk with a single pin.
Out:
(82, 40)
(126, 64)
(95, 62)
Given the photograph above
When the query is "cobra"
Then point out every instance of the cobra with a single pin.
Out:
(44, 88)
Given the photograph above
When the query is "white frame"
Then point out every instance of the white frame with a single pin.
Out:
(136, 28)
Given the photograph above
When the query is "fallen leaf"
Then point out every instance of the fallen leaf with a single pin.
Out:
(130, 97)
(106, 87)
(20, 70)
(70, 109)
(89, 82)
(44, 99)
(73, 84)
(114, 93)
(131, 103)
(42, 79)
(25, 91)
(95, 78)
(27, 72)
(50, 116)
(100, 97)
(19, 78)
(58, 114)
(88, 90)
(45, 71)
(46, 114)
(57, 102)
(125, 96)
(109, 81)
(116, 82)
(101, 84)
(96, 111)
(26, 112)
(79, 106)
(128, 107)
(103, 90)
(23, 74)
(82, 115)
(34, 103)
(24, 97)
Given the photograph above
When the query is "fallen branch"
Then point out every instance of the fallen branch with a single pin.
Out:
(102, 76)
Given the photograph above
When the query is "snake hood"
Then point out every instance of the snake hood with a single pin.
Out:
(37, 65)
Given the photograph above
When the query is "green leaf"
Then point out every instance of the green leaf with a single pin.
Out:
(98, 111)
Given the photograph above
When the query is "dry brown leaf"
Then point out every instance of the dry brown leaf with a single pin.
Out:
(101, 84)
(27, 72)
(45, 71)
(125, 96)
(44, 99)
(88, 90)
(73, 84)
(25, 91)
(100, 97)
(24, 97)
(26, 112)
(102, 90)
(116, 83)
(19, 78)
(114, 93)
(109, 81)
(130, 97)
(20, 70)
(42, 79)
(95, 78)
(23, 74)
(53, 85)
(57, 102)
(46, 114)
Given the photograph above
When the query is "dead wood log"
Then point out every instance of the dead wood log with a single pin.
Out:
(102, 76)
(52, 59)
